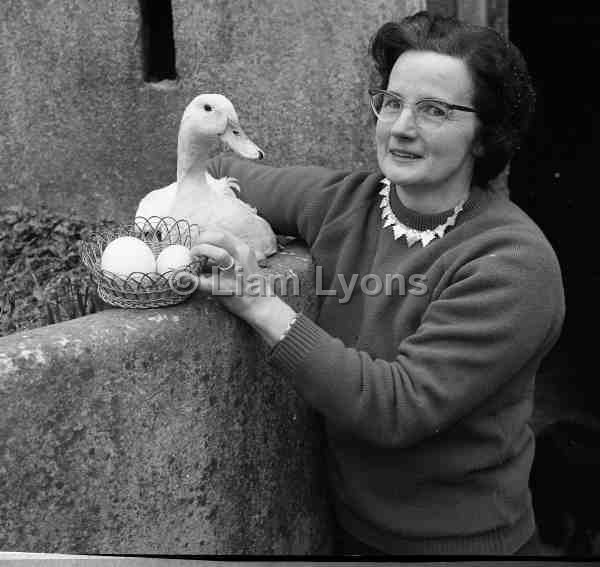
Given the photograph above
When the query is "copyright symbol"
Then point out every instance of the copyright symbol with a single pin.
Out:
(183, 282)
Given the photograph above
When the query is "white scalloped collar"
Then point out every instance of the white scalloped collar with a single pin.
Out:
(412, 234)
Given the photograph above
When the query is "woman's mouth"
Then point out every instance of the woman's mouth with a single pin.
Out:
(404, 155)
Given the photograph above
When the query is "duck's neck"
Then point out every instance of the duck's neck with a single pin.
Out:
(192, 155)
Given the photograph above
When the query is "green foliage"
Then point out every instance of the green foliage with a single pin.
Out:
(42, 279)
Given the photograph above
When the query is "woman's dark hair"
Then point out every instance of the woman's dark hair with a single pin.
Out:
(504, 97)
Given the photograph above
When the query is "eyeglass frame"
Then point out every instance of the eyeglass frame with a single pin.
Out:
(374, 92)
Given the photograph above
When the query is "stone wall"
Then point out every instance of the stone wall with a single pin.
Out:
(159, 431)
(81, 131)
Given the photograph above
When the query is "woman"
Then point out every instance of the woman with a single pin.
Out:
(426, 388)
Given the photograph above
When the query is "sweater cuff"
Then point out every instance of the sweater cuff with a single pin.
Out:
(304, 336)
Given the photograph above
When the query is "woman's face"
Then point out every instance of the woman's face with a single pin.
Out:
(422, 158)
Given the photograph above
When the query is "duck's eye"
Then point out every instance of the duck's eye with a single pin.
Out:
(207, 107)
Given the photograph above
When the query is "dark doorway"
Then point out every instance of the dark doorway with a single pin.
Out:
(556, 175)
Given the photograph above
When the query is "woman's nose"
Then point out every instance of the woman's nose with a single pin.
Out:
(405, 124)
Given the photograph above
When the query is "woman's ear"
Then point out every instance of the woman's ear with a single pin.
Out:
(477, 149)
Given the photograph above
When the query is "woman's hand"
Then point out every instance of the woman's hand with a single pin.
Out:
(233, 266)
(237, 281)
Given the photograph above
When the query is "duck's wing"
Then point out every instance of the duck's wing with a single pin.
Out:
(241, 219)
(208, 201)
(224, 185)
(157, 203)
(238, 217)
(258, 234)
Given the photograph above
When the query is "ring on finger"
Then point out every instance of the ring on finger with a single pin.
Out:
(229, 266)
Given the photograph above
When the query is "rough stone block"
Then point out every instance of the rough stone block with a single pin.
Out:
(159, 431)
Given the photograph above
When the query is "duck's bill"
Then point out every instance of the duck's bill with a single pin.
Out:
(239, 142)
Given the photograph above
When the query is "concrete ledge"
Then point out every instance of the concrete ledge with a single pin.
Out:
(158, 431)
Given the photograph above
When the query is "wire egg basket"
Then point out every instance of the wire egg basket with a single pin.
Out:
(143, 290)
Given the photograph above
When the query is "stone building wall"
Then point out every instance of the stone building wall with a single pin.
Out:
(81, 131)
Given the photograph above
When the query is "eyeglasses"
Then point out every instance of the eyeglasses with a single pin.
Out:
(428, 113)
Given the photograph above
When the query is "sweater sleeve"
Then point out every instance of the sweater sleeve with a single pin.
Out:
(293, 200)
(499, 311)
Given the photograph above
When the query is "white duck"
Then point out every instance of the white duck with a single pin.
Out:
(197, 196)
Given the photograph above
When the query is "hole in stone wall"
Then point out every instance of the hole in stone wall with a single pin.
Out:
(158, 44)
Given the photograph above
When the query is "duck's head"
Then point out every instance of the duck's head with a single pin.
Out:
(213, 116)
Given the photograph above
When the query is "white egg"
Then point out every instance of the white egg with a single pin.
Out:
(126, 255)
(173, 258)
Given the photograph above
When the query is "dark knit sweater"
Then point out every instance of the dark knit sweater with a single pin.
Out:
(426, 396)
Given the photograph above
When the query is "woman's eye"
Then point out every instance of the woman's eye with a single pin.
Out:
(392, 104)
(432, 109)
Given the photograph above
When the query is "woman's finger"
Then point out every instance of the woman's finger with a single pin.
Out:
(212, 284)
(220, 238)
(216, 254)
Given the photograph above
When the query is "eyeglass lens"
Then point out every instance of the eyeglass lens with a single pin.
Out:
(389, 107)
